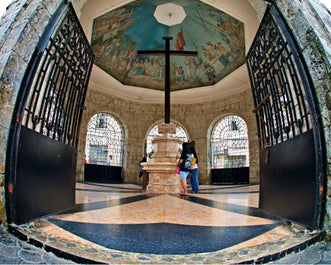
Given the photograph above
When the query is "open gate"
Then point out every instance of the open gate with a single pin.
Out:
(292, 162)
(42, 153)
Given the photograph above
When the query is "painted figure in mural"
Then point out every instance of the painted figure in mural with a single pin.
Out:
(159, 68)
(209, 71)
(180, 41)
(119, 33)
(188, 61)
(197, 61)
(180, 74)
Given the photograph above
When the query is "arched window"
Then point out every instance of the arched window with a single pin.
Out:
(180, 133)
(104, 141)
(229, 143)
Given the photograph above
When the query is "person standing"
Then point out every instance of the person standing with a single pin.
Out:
(177, 160)
(144, 174)
(141, 170)
(185, 161)
(194, 180)
(110, 160)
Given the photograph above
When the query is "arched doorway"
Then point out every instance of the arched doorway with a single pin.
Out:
(229, 151)
(104, 149)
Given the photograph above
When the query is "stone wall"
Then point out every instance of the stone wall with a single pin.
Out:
(197, 120)
(311, 25)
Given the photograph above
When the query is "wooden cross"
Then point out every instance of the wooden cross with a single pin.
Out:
(167, 52)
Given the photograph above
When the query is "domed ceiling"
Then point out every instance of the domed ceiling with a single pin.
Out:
(217, 37)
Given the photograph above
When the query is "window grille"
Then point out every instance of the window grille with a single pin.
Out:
(104, 141)
(229, 143)
(180, 133)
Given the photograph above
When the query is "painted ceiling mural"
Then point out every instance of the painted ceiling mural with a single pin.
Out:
(217, 37)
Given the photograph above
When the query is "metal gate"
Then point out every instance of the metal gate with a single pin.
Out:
(292, 162)
(42, 153)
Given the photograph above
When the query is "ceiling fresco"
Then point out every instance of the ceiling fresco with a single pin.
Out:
(217, 37)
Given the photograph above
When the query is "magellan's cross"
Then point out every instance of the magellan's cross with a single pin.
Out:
(167, 52)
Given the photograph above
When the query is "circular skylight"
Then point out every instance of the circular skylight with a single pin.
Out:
(169, 14)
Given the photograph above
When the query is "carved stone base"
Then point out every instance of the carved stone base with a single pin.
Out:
(162, 177)
(162, 166)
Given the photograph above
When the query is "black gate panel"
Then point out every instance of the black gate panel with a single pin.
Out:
(45, 176)
(288, 182)
(236, 175)
(292, 160)
(102, 173)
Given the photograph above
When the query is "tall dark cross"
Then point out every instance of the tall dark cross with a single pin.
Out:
(167, 52)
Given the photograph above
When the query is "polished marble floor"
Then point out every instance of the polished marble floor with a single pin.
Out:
(118, 223)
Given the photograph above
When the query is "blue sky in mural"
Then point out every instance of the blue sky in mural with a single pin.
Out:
(217, 37)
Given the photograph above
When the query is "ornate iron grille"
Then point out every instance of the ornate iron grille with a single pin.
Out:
(229, 143)
(104, 141)
(58, 84)
(277, 81)
(180, 133)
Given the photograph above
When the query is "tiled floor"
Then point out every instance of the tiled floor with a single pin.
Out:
(117, 223)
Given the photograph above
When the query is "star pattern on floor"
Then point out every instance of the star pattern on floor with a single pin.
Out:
(165, 223)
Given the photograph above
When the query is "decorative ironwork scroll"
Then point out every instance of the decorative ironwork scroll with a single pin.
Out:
(278, 85)
(59, 81)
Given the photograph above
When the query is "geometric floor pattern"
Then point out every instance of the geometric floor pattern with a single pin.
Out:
(168, 224)
(118, 221)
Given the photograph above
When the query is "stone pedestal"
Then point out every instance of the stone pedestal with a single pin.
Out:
(162, 165)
